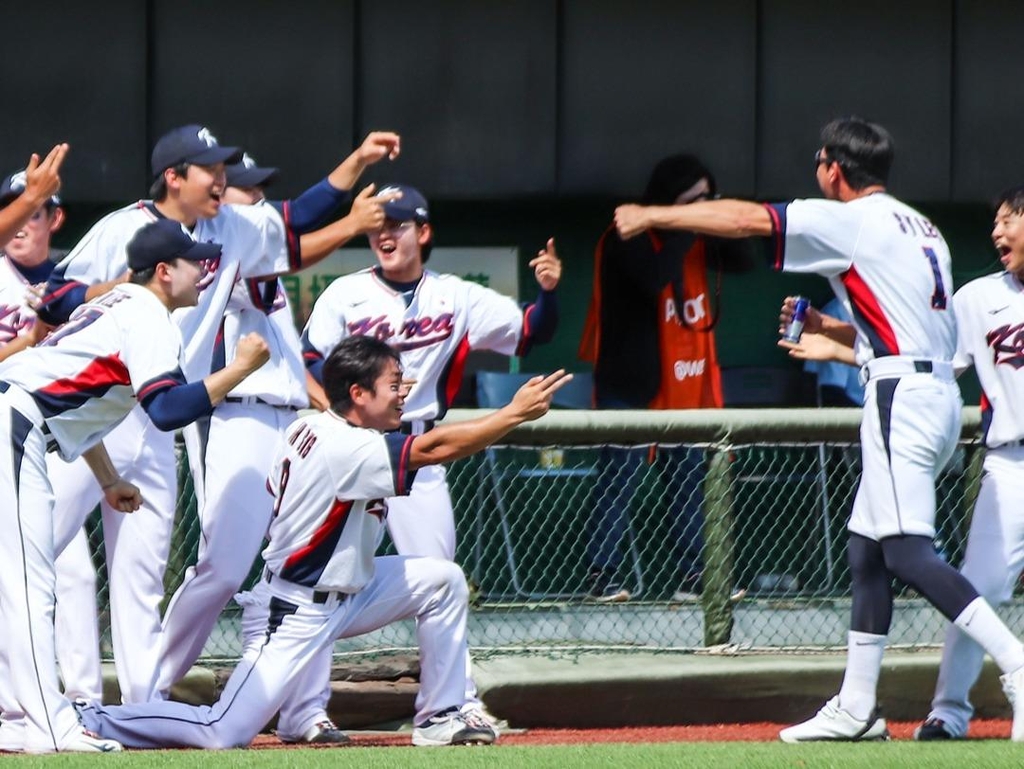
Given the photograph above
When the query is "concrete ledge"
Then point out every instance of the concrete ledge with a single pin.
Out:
(623, 688)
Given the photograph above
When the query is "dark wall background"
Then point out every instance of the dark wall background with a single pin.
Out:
(525, 118)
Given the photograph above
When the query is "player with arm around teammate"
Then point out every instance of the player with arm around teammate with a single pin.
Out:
(890, 267)
(68, 393)
(333, 480)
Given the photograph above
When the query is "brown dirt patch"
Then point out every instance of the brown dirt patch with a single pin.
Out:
(760, 732)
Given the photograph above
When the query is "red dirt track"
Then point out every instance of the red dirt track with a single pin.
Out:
(762, 732)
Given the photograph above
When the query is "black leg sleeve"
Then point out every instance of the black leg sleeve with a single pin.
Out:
(871, 585)
(913, 559)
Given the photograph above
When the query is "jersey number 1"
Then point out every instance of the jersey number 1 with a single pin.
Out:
(939, 295)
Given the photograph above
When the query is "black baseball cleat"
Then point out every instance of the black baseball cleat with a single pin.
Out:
(934, 729)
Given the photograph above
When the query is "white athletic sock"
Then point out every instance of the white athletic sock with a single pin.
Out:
(980, 622)
(859, 692)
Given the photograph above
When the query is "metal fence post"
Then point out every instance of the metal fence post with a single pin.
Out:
(719, 550)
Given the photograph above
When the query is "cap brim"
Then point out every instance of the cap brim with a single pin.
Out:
(400, 213)
(201, 251)
(9, 197)
(216, 155)
(251, 177)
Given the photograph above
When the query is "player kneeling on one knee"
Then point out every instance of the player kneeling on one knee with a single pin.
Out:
(330, 481)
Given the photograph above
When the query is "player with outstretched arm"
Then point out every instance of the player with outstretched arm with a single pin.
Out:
(890, 267)
(332, 481)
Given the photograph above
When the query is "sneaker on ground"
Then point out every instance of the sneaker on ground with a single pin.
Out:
(475, 711)
(834, 723)
(602, 587)
(1013, 687)
(90, 742)
(683, 595)
(451, 727)
(935, 729)
(323, 732)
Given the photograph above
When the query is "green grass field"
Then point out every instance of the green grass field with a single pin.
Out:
(975, 753)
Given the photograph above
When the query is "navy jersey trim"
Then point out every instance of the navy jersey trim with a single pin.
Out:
(777, 254)
(306, 565)
(400, 449)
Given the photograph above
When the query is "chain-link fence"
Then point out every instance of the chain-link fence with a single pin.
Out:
(668, 530)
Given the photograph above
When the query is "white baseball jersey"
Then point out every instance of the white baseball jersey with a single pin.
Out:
(85, 376)
(330, 481)
(256, 242)
(887, 264)
(890, 268)
(446, 318)
(16, 317)
(990, 335)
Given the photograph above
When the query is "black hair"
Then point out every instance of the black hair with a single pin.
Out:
(1012, 198)
(355, 360)
(863, 150)
(142, 277)
(673, 176)
(158, 190)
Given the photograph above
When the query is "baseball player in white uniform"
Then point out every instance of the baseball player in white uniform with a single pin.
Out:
(333, 480)
(891, 269)
(228, 455)
(990, 318)
(25, 265)
(433, 320)
(66, 394)
(258, 241)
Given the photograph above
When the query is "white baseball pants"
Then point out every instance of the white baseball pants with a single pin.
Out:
(287, 631)
(992, 562)
(27, 580)
(230, 455)
(137, 544)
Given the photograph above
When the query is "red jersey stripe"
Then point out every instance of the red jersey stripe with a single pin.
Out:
(102, 372)
(335, 520)
(867, 309)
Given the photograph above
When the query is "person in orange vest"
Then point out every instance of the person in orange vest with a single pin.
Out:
(650, 334)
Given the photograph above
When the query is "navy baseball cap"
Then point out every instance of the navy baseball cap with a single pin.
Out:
(190, 144)
(411, 206)
(164, 241)
(248, 174)
(13, 185)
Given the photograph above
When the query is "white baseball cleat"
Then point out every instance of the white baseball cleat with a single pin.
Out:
(90, 742)
(475, 712)
(1013, 687)
(452, 728)
(834, 723)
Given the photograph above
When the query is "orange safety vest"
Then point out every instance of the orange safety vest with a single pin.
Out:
(690, 375)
